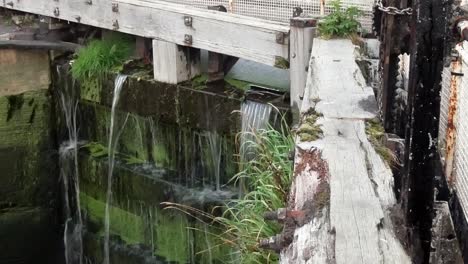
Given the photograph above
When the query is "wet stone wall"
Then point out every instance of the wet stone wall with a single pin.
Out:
(174, 145)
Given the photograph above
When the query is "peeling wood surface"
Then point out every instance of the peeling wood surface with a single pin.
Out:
(356, 224)
(230, 34)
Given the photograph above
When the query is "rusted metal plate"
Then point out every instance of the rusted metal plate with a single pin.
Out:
(451, 120)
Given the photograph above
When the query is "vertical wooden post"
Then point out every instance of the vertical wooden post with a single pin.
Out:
(173, 63)
(301, 37)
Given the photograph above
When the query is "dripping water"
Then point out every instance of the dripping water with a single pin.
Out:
(69, 174)
(119, 82)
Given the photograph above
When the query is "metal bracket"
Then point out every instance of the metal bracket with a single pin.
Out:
(297, 11)
(280, 38)
(188, 39)
(10, 3)
(188, 21)
(115, 25)
(56, 12)
(115, 7)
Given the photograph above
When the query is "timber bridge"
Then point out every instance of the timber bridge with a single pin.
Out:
(274, 33)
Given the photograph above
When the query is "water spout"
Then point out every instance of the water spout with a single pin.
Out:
(119, 82)
(69, 175)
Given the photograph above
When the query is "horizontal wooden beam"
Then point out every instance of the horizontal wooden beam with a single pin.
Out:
(240, 36)
(38, 44)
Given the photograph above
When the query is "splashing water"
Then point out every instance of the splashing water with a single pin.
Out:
(69, 174)
(119, 82)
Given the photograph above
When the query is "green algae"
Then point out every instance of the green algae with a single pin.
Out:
(26, 140)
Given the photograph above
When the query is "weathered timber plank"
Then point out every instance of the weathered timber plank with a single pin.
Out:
(234, 35)
(356, 223)
(173, 63)
(346, 94)
(301, 38)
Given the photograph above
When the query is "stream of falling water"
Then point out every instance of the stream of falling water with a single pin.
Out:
(255, 117)
(69, 174)
(119, 82)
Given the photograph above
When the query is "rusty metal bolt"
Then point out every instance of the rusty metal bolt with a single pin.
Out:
(188, 39)
(56, 12)
(115, 7)
(188, 21)
(280, 38)
(115, 25)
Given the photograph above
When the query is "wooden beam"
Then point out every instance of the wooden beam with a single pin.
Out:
(230, 34)
(173, 63)
(39, 44)
(302, 34)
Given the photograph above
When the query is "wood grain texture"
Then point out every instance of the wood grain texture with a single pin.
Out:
(230, 34)
(301, 44)
(173, 63)
(356, 225)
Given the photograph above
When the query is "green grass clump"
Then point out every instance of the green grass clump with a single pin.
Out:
(341, 22)
(268, 177)
(100, 57)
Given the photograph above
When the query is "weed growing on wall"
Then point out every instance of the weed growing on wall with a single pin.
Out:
(341, 22)
(99, 58)
(269, 177)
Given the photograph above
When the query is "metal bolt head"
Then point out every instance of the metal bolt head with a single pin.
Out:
(280, 38)
(115, 25)
(115, 7)
(188, 21)
(188, 39)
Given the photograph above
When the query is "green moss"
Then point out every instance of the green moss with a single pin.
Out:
(281, 63)
(242, 85)
(309, 130)
(199, 82)
(376, 133)
(129, 227)
(27, 167)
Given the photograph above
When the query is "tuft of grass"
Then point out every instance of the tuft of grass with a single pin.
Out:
(376, 132)
(100, 57)
(341, 22)
(268, 177)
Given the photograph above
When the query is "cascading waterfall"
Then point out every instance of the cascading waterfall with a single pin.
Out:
(215, 145)
(69, 174)
(255, 117)
(119, 82)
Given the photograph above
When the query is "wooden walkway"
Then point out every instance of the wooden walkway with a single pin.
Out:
(355, 225)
